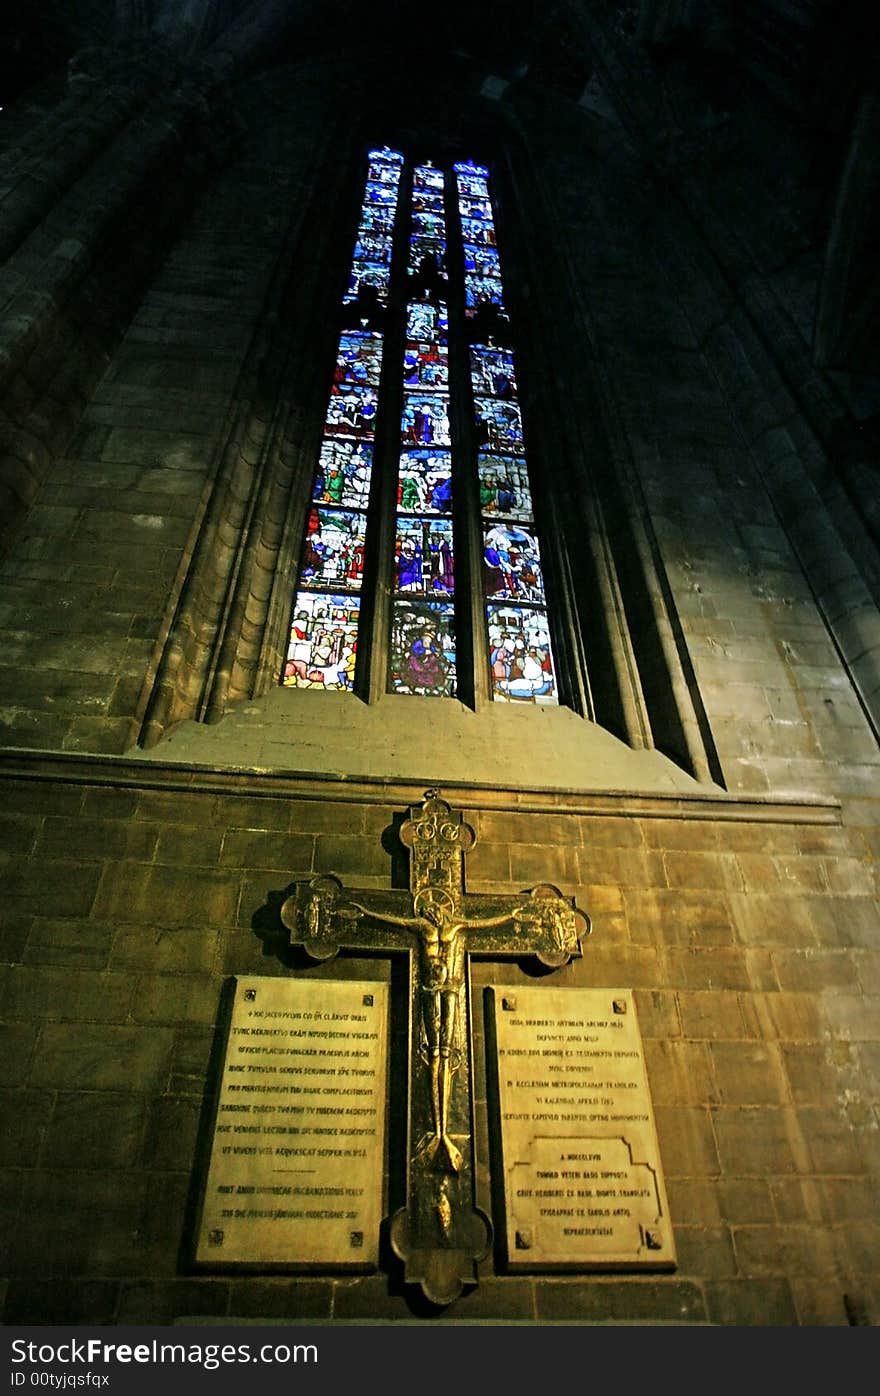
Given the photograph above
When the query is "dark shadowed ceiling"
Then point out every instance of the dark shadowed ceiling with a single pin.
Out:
(814, 63)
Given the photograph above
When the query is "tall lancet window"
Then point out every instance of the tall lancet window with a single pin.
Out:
(424, 396)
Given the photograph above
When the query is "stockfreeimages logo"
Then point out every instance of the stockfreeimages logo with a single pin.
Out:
(95, 1352)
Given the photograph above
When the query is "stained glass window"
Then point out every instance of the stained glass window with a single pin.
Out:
(322, 650)
(460, 436)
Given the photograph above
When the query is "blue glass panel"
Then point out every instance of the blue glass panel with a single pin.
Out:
(423, 556)
(387, 161)
(344, 473)
(425, 365)
(373, 247)
(323, 642)
(511, 563)
(472, 186)
(520, 655)
(476, 208)
(359, 359)
(481, 261)
(423, 649)
(428, 255)
(427, 177)
(366, 274)
(425, 481)
(498, 424)
(427, 201)
(334, 552)
(482, 290)
(425, 420)
(381, 191)
(352, 412)
(427, 323)
(430, 225)
(477, 232)
(504, 487)
(378, 218)
(492, 372)
(468, 167)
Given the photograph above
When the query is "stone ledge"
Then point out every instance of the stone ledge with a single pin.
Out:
(122, 772)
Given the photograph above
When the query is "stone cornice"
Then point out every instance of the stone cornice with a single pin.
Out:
(125, 773)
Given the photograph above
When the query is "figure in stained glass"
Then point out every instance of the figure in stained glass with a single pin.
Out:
(424, 481)
(426, 365)
(373, 247)
(323, 642)
(428, 323)
(520, 656)
(334, 552)
(425, 420)
(482, 290)
(498, 424)
(343, 475)
(423, 650)
(492, 372)
(423, 552)
(504, 487)
(512, 563)
(351, 412)
(476, 232)
(359, 360)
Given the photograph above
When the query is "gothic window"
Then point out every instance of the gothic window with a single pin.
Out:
(462, 517)
(420, 529)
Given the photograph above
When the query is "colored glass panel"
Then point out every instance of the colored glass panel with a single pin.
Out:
(425, 481)
(426, 365)
(352, 412)
(498, 424)
(482, 261)
(476, 232)
(428, 177)
(427, 322)
(511, 563)
(323, 631)
(480, 289)
(425, 421)
(504, 487)
(423, 649)
(373, 247)
(423, 555)
(323, 642)
(334, 552)
(492, 372)
(344, 473)
(520, 656)
(359, 360)
(519, 637)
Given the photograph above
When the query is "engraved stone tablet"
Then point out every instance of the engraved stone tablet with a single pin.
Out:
(581, 1186)
(296, 1167)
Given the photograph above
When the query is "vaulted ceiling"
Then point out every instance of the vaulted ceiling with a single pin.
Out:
(815, 63)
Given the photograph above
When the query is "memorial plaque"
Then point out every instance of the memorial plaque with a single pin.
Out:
(296, 1170)
(581, 1185)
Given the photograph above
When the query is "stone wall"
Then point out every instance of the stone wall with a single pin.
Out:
(745, 922)
(747, 931)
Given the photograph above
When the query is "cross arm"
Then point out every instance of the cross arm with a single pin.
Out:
(323, 919)
(545, 924)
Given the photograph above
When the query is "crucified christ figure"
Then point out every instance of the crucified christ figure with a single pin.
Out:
(441, 930)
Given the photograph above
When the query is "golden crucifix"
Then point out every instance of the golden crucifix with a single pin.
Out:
(440, 1233)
